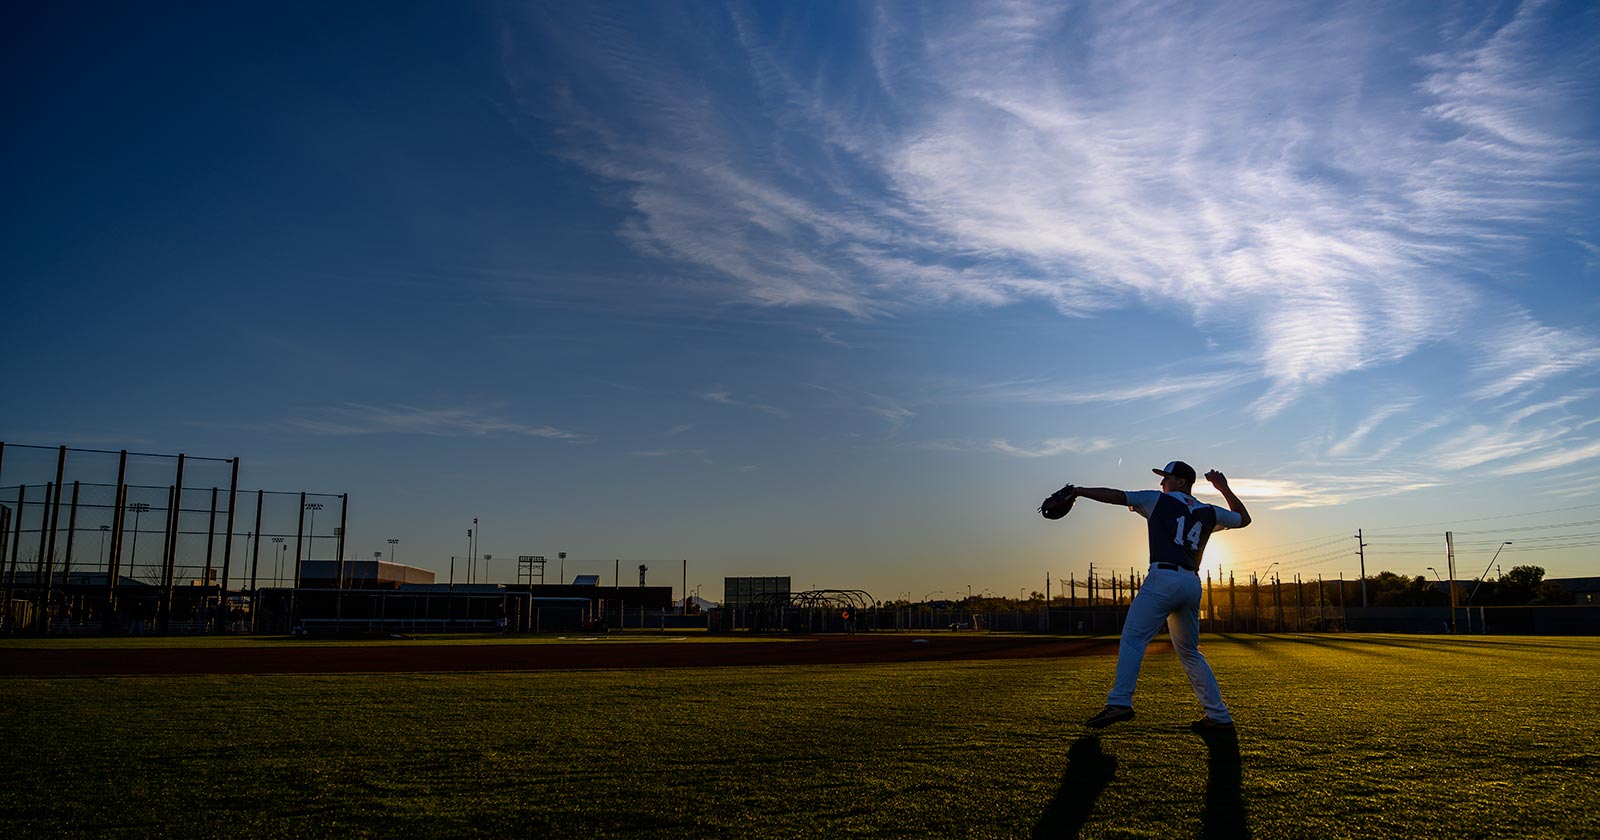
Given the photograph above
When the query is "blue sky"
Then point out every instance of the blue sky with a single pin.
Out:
(835, 291)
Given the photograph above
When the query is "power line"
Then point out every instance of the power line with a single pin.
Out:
(1498, 531)
(1485, 518)
(1335, 540)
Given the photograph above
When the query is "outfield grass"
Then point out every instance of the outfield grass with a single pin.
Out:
(1340, 736)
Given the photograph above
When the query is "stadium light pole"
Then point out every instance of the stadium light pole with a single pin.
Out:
(486, 559)
(311, 530)
(133, 551)
(393, 551)
(277, 560)
(1474, 592)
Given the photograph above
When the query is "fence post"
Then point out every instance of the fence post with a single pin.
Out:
(1344, 618)
(1233, 605)
(1211, 602)
(1255, 603)
(338, 580)
(50, 556)
(169, 556)
(211, 543)
(72, 531)
(38, 560)
(11, 569)
(227, 546)
(114, 561)
(1299, 605)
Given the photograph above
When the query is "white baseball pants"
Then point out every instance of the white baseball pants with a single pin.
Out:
(1172, 597)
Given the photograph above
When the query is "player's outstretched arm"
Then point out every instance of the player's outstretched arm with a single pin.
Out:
(1105, 495)
(1220, 481)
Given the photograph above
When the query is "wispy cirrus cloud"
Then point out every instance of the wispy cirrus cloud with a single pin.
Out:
(1325, 489)
(1094, 158)
(1184, 390)
(1041, 449)
(722, 397)
(669, 453)
(1523, 354)
(1351, 442)
(1553, 457)
(1316, 186)
(361, 419)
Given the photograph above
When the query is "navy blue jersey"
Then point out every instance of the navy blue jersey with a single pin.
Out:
(1179, 525)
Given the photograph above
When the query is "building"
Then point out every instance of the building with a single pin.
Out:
(361, 574)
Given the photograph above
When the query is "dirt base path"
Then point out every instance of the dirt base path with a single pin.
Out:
(581, 653)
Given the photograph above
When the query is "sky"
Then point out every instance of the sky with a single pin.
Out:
(835, 291)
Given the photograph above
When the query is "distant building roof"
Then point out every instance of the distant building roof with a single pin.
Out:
(365, 570)
(1578, 584)
(586, 580)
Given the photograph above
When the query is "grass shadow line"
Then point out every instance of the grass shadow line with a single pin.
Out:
(1089, 772)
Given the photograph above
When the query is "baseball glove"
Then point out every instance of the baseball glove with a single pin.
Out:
(1059, 503)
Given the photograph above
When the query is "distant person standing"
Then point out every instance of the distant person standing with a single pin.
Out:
(1179, 527)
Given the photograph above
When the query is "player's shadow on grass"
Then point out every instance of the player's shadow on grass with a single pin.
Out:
(1089, 771)
(1224, 817)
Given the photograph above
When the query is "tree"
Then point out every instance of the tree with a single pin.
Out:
(1391, 590)
(1550, 592)
(1518, 586)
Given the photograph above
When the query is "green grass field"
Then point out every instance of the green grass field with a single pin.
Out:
(1340, 736)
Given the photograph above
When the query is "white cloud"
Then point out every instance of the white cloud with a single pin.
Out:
(669, 453)
(830, 337)
(1553, 458)
(1050, 447)
(721, 397)
(1367, 426)
(359, 419)
(1524, 353)
(1317, 187)
(1324, 489)
(1185, 389)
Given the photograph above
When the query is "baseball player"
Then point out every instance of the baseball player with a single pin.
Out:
(1179, 527)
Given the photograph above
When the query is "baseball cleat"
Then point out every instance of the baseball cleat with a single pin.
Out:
(1109, 715)
(1206, 724)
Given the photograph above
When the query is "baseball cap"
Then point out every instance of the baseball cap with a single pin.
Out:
(1178, 470)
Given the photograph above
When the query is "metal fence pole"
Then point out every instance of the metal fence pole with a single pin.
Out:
(16, 547)
(294, 594)
(211, 539)
(55, 523)
(114, 560)
(38, 560)
(72, 531)
(227, 547)
(338, 583)
(168, 558)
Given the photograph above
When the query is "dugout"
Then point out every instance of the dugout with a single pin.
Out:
(436, 608)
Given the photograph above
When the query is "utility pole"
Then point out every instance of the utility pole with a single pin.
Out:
(1362, 553)
(1450, 563)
